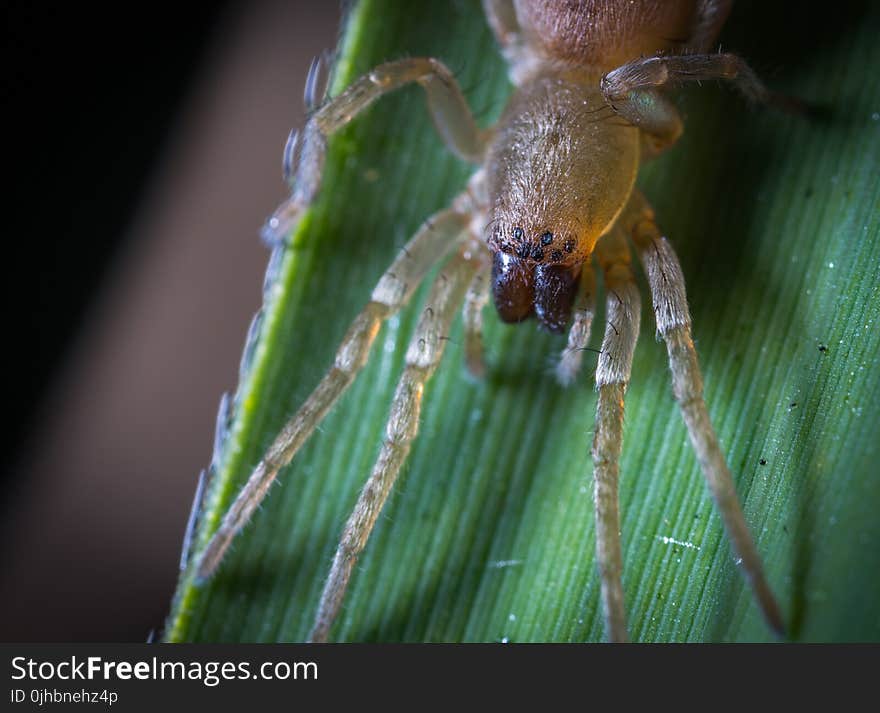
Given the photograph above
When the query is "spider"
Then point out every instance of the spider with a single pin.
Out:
(552, 201)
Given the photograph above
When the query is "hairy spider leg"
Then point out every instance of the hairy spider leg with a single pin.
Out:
(666, 282)
(455, 123)
(572, 357)
(422, 357)
(623, 312)
(501, 16)
(433, 241)
(474, 301)
(632, 89)
(305, 152)
(711, 15)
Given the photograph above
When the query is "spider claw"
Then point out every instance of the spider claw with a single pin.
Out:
(191, 521)
(317, 81)
(290, 157)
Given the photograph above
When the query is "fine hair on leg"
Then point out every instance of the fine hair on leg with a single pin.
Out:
(433, 241)
(422, 357)
(666, 281)
(572, 357)
(632, 88)
(623, 310)
(501, 15)
(711, 15)
(472, 315)
(305, 152)
(671, 70)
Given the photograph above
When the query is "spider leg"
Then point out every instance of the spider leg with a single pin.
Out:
(623, 310)
(474, 301)
(711, 15)
(501, 16)
(422, 357)
(666, 281)
(304, 154)
(572, 356)
(633, 88)
(431, 243)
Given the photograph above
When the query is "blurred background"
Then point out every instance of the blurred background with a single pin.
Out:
(145, 146)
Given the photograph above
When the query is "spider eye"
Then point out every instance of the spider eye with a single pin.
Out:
(547, 238)
(518, 233)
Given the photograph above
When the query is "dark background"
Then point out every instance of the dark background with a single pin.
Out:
(143, 147)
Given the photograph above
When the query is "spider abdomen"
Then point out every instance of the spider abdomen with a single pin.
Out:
(604, 34)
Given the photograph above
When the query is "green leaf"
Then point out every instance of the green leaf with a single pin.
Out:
(489, 534)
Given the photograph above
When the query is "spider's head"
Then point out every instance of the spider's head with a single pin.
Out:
(534, 275)
(557, 177)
